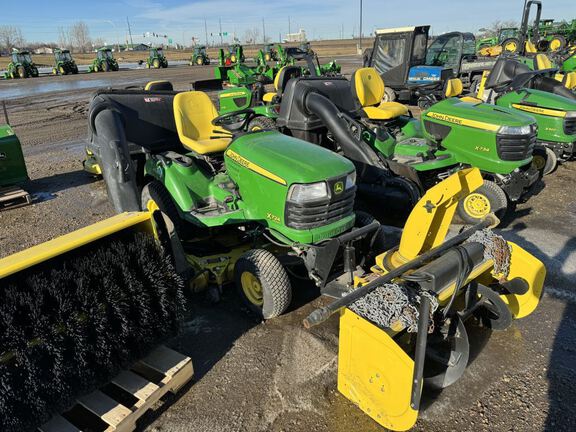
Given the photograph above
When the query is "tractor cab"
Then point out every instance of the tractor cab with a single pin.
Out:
(156, 52)
(22, 57)
(270, 52)
(62, 56)
(200, 50)
(105, 54)
(405, 61)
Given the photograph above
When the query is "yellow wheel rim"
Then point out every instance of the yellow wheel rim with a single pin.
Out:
(539, 161)
(62, 70)
(199, 61)
(477, 205)
(267, 57)
(233, 58)
(555, 44)
(252, 288)
(511, 46)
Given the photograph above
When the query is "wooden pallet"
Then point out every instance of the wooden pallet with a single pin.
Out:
(138, 389)
(13, 197)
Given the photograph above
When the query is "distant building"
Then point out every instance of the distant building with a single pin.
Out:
(296, 37)
(44, 50)
(128, 47)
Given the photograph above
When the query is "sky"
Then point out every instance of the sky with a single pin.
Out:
(40, 20)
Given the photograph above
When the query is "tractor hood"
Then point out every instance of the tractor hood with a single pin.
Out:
(287, 160)
(544, 103)
(476, 115)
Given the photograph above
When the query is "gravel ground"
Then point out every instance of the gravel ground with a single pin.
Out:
(276, 376)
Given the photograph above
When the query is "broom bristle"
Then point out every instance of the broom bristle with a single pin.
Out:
(69, 326)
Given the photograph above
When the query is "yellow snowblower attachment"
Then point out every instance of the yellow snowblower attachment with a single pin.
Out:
(387, 353)
(76, 309)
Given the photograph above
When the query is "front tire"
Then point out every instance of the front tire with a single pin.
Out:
(488, 198)
(557, 43)
(545, 160)
(263, 283)
(22, 72)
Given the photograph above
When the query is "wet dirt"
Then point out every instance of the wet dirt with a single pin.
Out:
(275, 376)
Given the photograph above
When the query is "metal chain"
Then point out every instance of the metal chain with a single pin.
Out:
(390, 305)
(496, 248)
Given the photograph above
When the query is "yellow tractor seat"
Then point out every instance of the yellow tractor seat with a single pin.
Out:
(543, 62)
(453, 87)
(368, 89)
(159, 85)
(285, 74)
(569, 80)
(193, 113)
(386, 111)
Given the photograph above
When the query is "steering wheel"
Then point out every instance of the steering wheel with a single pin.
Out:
(229, 121)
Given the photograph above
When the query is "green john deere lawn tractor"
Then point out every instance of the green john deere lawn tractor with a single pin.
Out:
(513, 85)
(156, 59)
(64, 64)
(451, 135)
(247, 206)
(104, 61)
(21, 66)
(199, 56)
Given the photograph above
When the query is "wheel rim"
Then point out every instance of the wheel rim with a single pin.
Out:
(555, 44)
(477, 205)
(233, 59)
(62, 70)
(539, 161)
(252, 288)
(199, 61)
(510, 46)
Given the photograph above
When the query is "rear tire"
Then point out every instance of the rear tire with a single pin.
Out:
(157, 192)
(557, 43)
(106, 67)
(22, 72)
(389, 95)
(263, 283)
(511, 45)
(156, 63)
(261, 123)
(488, 198)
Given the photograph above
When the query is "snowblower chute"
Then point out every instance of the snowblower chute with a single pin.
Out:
(386, 353)
(77, 309)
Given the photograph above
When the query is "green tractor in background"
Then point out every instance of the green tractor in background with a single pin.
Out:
(512, 84)
(21, 65)
(64, 64)
(270, 53)
(199, 56)
(104, 61)
(239, 74)
(156, 59)
(451, 135)
(232, 55)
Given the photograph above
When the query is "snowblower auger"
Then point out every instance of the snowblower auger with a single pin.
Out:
(386, 353)
(77, 309)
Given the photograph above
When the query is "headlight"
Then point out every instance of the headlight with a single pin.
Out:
(570, 114)
(515, 130)
(300, 193)
(350, 180)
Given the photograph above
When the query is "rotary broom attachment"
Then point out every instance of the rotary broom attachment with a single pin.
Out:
(69, 324)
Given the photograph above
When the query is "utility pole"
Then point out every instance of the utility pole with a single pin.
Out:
(263, 32)
(360, 45)
(206, 30)
(220, 24)
(289, 25)
(130, 33)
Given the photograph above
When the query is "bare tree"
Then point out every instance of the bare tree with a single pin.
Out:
(80, 36)
(64, 38)
(251, 36)
(10, 37)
